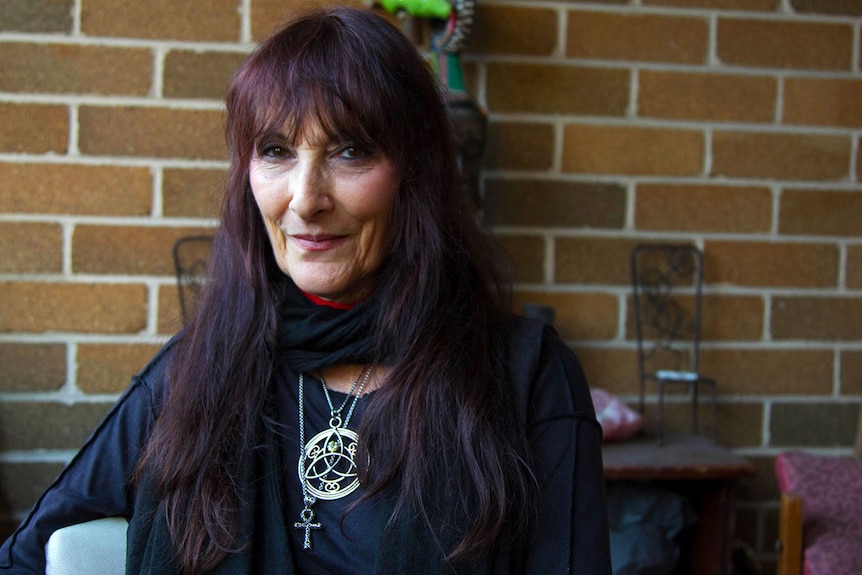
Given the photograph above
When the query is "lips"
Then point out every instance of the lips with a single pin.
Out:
(318, 242)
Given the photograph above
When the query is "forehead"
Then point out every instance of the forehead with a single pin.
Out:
(311, 132)
(310, 124)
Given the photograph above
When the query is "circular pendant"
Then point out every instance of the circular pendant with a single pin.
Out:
(328, 466)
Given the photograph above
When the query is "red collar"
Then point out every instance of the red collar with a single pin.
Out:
(316, 300)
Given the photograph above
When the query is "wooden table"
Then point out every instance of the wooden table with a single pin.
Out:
(699, 468)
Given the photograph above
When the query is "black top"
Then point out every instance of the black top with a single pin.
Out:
(553, 399)
(345, 544)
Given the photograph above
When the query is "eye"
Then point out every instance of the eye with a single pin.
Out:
(273, 151)
(351, 152)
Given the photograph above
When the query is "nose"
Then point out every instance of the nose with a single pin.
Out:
(309, 190)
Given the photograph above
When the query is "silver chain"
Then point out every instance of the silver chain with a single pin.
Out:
(307, 514)
(336, 413)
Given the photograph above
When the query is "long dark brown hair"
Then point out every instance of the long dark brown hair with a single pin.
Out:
(442, 431)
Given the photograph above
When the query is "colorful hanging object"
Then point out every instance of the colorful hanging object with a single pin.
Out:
(442, 28)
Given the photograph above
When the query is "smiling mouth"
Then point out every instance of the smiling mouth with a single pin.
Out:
(317, 243)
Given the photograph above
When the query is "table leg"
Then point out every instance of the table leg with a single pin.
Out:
(712, 548)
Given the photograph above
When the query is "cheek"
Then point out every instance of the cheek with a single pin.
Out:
(380, 201)
(378, 221)
(265, 197)
(268, 208)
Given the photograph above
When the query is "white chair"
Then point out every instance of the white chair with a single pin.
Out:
(93, 548)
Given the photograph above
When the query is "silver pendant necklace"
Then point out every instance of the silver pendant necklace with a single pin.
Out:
(327, 463)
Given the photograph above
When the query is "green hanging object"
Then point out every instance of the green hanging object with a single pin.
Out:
(449, 71)
(439, 9)
(450, 28)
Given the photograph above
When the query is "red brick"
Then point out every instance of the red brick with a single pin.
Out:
(170, 315)
(108, 368)
(640, 37)
(519, 146)
(851, 372)
(34, 129)
(612, 369)
(578, 316)
(739, 424)
(129, 250)
(859, 160)
(771, 264)
(708, 97)
(781, 156)
(592, 260)
(817, 318)
(32, 367)
(526, 255)
(31, 248)
(557, 89)
(23, 424)
(823, 102)
(204, 20)
(677, 413)
(848, 7)
(23, 484)
(826, 424)
(36, 16)
(770, 371)
(732, 318)
(72, 307)
(723, 318)
(785, 44)
(634, 151)
(821, 212)
(554, 203)
(854, 266)
(192, 193)
(152, 132)
(513, 30)
(64, 68)
(69, 189)
(741, 5)
(266, 15)
(703, 208)
(191, 74)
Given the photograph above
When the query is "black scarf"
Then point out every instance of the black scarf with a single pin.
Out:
(313, 336)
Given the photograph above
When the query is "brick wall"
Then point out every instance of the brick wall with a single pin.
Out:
(734, 124)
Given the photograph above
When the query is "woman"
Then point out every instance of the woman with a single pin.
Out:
(352, 395)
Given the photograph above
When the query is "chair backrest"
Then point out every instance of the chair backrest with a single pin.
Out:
(96, 547)
(190, 262)
(667, 282)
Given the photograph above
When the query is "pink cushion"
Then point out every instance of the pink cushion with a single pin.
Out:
(617, 419)
(831, 491)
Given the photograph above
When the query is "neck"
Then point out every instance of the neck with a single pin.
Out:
(340, 378)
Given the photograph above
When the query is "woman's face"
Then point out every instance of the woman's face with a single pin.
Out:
(326, 206)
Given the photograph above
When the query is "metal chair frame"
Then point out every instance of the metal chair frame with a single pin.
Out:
(667, 291)
(190, 270)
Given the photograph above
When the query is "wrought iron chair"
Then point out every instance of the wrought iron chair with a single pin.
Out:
(667, 283)
(190, 262)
